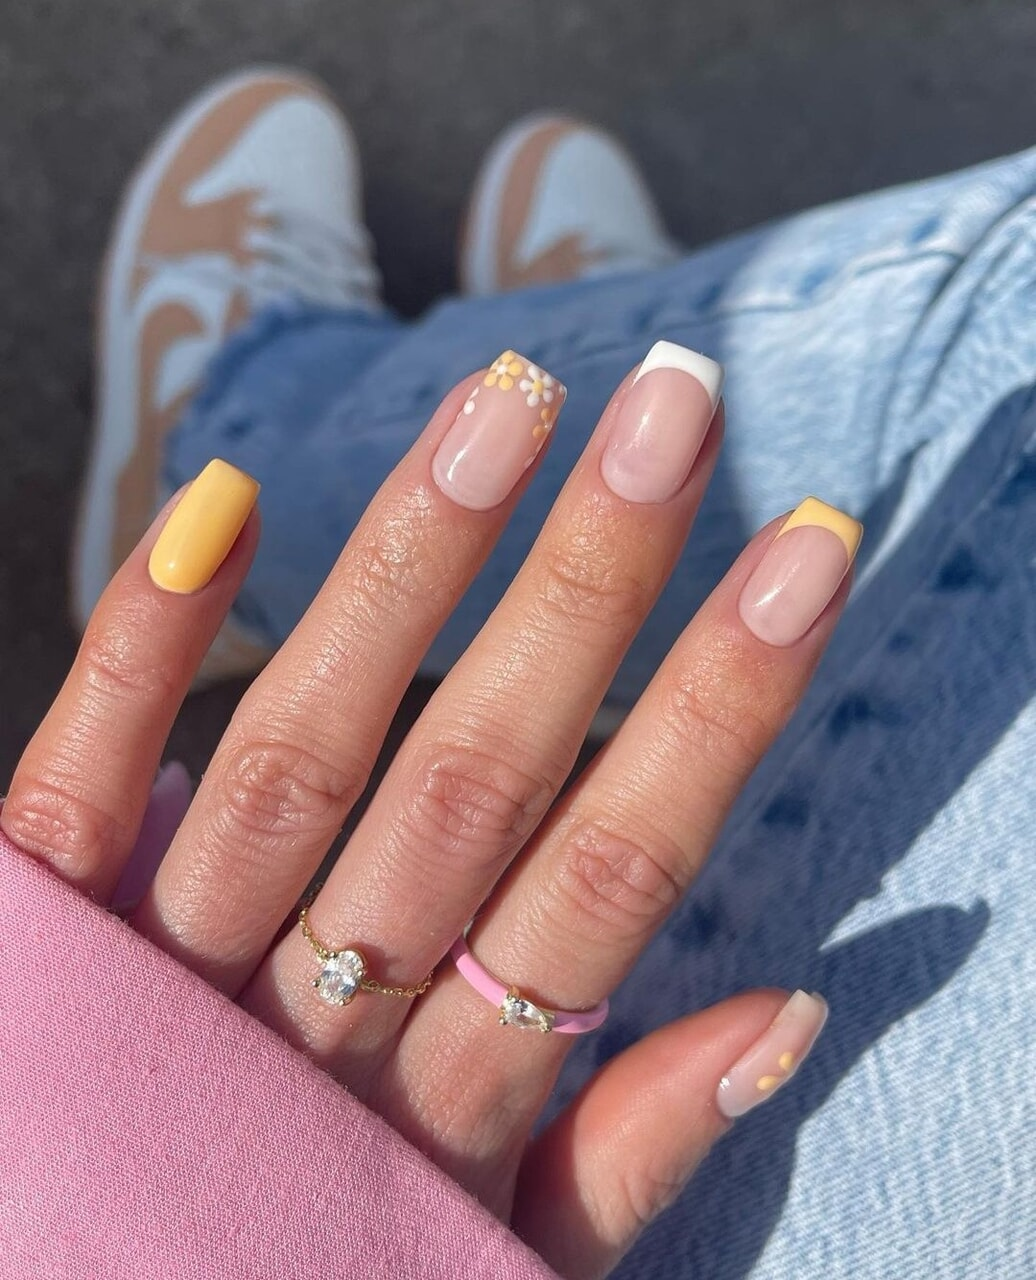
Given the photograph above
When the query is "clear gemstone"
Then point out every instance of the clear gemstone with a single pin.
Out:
(516, 1012)
(340, 977)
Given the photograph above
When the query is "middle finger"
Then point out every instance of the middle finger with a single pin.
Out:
(496, 742)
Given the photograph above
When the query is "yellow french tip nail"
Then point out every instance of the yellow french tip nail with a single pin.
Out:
(812, 511)
(202, 528)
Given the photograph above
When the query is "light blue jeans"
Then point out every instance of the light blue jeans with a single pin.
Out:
(882, 354)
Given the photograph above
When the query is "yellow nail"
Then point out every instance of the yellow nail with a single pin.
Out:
(813, 511)
(203, 527)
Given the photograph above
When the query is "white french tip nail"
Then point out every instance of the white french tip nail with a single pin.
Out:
(670, 355)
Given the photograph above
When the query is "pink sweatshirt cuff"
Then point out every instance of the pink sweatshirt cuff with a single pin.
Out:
(149, 1127)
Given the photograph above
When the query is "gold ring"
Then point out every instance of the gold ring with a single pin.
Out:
(344, 971)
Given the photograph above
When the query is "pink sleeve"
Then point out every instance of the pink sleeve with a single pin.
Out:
(151, 1128)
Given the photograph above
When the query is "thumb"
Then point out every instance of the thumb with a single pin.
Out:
(625, 1147)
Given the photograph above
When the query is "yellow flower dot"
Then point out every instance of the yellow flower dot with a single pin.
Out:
(786, 1061)
(765, 1083)
(538, 432)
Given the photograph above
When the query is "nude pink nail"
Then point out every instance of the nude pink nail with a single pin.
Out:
(498, 433)
(775, 1056)
(800, 572)
(661, 424)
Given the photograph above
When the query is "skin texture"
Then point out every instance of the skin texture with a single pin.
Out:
(569, 891)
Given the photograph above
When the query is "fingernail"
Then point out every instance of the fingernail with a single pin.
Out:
(661, 424)
(203, 527)
(498, 433)
(775, 1056)
(800, 572)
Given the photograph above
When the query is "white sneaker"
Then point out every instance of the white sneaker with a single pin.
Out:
(252, 194)
(557, 199)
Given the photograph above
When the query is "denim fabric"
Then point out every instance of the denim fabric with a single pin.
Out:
(882, 354)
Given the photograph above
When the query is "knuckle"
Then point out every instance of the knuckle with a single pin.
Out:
(581, 582)
(383, 579)
(613, 886)
(47, 818)
(273, 789)
(715, 720)
(400, 570)
(118, 665)
(471, 805)
(644, 1192)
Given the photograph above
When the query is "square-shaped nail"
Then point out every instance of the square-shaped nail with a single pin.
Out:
(775, 1056)
(793, 583)
(498, 433)
(661, 424)
(203, 527)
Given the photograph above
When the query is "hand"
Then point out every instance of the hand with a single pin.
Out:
(467, 820)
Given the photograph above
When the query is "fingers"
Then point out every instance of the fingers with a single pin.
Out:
(618, 852)
(300, 749)
(498, 739)
(635, 829)
(626, 1147)
(81, 788)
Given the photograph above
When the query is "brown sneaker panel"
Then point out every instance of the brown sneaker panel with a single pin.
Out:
(137, 483)
(176, 228)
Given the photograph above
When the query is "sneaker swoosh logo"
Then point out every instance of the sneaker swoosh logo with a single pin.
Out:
(564, 260)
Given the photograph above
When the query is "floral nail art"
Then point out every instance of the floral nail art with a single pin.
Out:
(537, 386)
(539, 389)
(504, 370)
(498, 433)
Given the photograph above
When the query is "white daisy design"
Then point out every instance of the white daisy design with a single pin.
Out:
(537, 385)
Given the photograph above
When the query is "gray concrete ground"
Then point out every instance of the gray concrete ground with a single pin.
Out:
(738, 109)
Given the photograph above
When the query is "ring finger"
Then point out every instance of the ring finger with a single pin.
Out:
(619, 852)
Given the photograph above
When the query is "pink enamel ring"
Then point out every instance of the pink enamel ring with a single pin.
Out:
(515, 1010)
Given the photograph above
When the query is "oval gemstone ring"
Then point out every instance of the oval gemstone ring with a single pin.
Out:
(344, 972)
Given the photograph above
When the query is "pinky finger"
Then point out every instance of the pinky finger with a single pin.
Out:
(614, 1159)
(81, 788)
